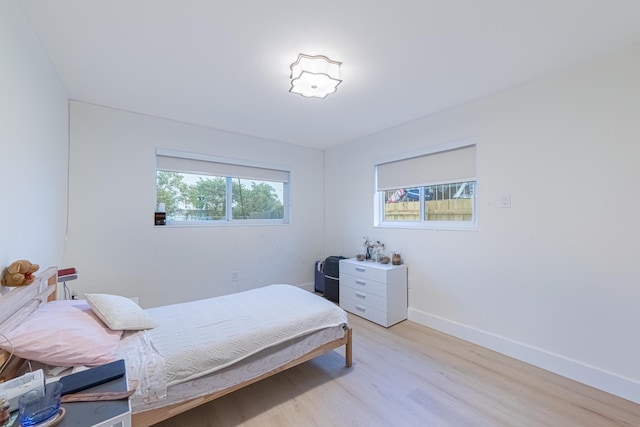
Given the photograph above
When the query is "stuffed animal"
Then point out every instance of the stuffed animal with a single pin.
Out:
(19, 273)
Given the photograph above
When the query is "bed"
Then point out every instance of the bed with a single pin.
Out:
(182, 355)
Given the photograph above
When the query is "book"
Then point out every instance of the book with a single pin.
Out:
(74, 383)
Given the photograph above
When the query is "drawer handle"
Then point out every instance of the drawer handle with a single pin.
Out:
(359, 295)
(361, 308)
(360, 269)
(360, 282)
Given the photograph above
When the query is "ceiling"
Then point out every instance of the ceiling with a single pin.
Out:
(225, 64)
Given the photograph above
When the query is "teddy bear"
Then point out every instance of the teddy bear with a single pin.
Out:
(19, 273)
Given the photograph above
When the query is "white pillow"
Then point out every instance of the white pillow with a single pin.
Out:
(119, 313)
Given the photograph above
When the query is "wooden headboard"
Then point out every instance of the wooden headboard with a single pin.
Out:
(17, 304)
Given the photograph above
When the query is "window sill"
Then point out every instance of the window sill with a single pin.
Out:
(201, 224)
(439, 226)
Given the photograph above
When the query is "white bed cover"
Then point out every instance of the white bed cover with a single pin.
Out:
(200, 337)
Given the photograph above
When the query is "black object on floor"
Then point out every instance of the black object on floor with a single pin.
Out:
(332, 277)
(319, 277)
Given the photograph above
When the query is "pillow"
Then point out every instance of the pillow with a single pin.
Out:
(64, 333)
(119, 313)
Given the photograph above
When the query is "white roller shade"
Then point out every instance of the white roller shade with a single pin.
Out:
(205, 167)
(455, 165)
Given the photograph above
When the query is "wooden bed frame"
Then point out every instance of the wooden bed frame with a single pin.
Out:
(148, 418)
(18, 303)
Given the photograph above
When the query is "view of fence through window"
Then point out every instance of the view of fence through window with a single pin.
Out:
(192, 197)
(443, 202)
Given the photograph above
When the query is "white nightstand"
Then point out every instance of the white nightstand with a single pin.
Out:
(377, 292)
(107, 413)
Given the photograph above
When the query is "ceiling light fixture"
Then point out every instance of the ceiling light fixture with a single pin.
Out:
(314, 76)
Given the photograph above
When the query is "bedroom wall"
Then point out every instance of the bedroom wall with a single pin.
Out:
(116, 247)
(33, 146)
(553, 280)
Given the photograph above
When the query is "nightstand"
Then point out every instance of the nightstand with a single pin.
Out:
(106, 413)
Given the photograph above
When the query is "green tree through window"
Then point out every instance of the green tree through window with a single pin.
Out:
(191, 197)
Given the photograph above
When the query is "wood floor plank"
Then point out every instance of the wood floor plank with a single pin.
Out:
(410, 375)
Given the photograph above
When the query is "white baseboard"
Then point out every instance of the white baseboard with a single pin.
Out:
(589, 375)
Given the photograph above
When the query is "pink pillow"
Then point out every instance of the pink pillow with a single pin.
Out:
(64, 333)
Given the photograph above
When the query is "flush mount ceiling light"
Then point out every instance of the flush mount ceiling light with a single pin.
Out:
(314, 76)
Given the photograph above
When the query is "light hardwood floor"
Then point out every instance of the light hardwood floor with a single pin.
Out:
(410, 375)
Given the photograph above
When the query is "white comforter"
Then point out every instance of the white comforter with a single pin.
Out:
(200, 337)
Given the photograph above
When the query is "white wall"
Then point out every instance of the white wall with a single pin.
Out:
(33, 146)
(554, 279)
(117, 249)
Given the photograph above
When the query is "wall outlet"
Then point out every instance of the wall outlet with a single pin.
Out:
(505, 201)
(234, 276)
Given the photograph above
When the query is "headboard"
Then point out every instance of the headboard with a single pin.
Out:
(17, 304)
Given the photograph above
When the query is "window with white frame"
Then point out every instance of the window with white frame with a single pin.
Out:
(203, 189)
(433, 188)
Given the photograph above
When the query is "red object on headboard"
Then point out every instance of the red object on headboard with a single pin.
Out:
(66, 271)
(67, 274)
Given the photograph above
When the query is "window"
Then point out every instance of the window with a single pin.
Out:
(201, 189)
(429, 189)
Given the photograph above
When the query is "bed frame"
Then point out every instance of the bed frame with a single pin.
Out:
(18, 303)
(148, 418)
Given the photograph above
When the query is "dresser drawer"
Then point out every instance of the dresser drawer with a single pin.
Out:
(365, 270)
(363, 310)
(363, 284)
(361, 297)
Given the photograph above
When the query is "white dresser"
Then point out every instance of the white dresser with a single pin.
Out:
(377, 292)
